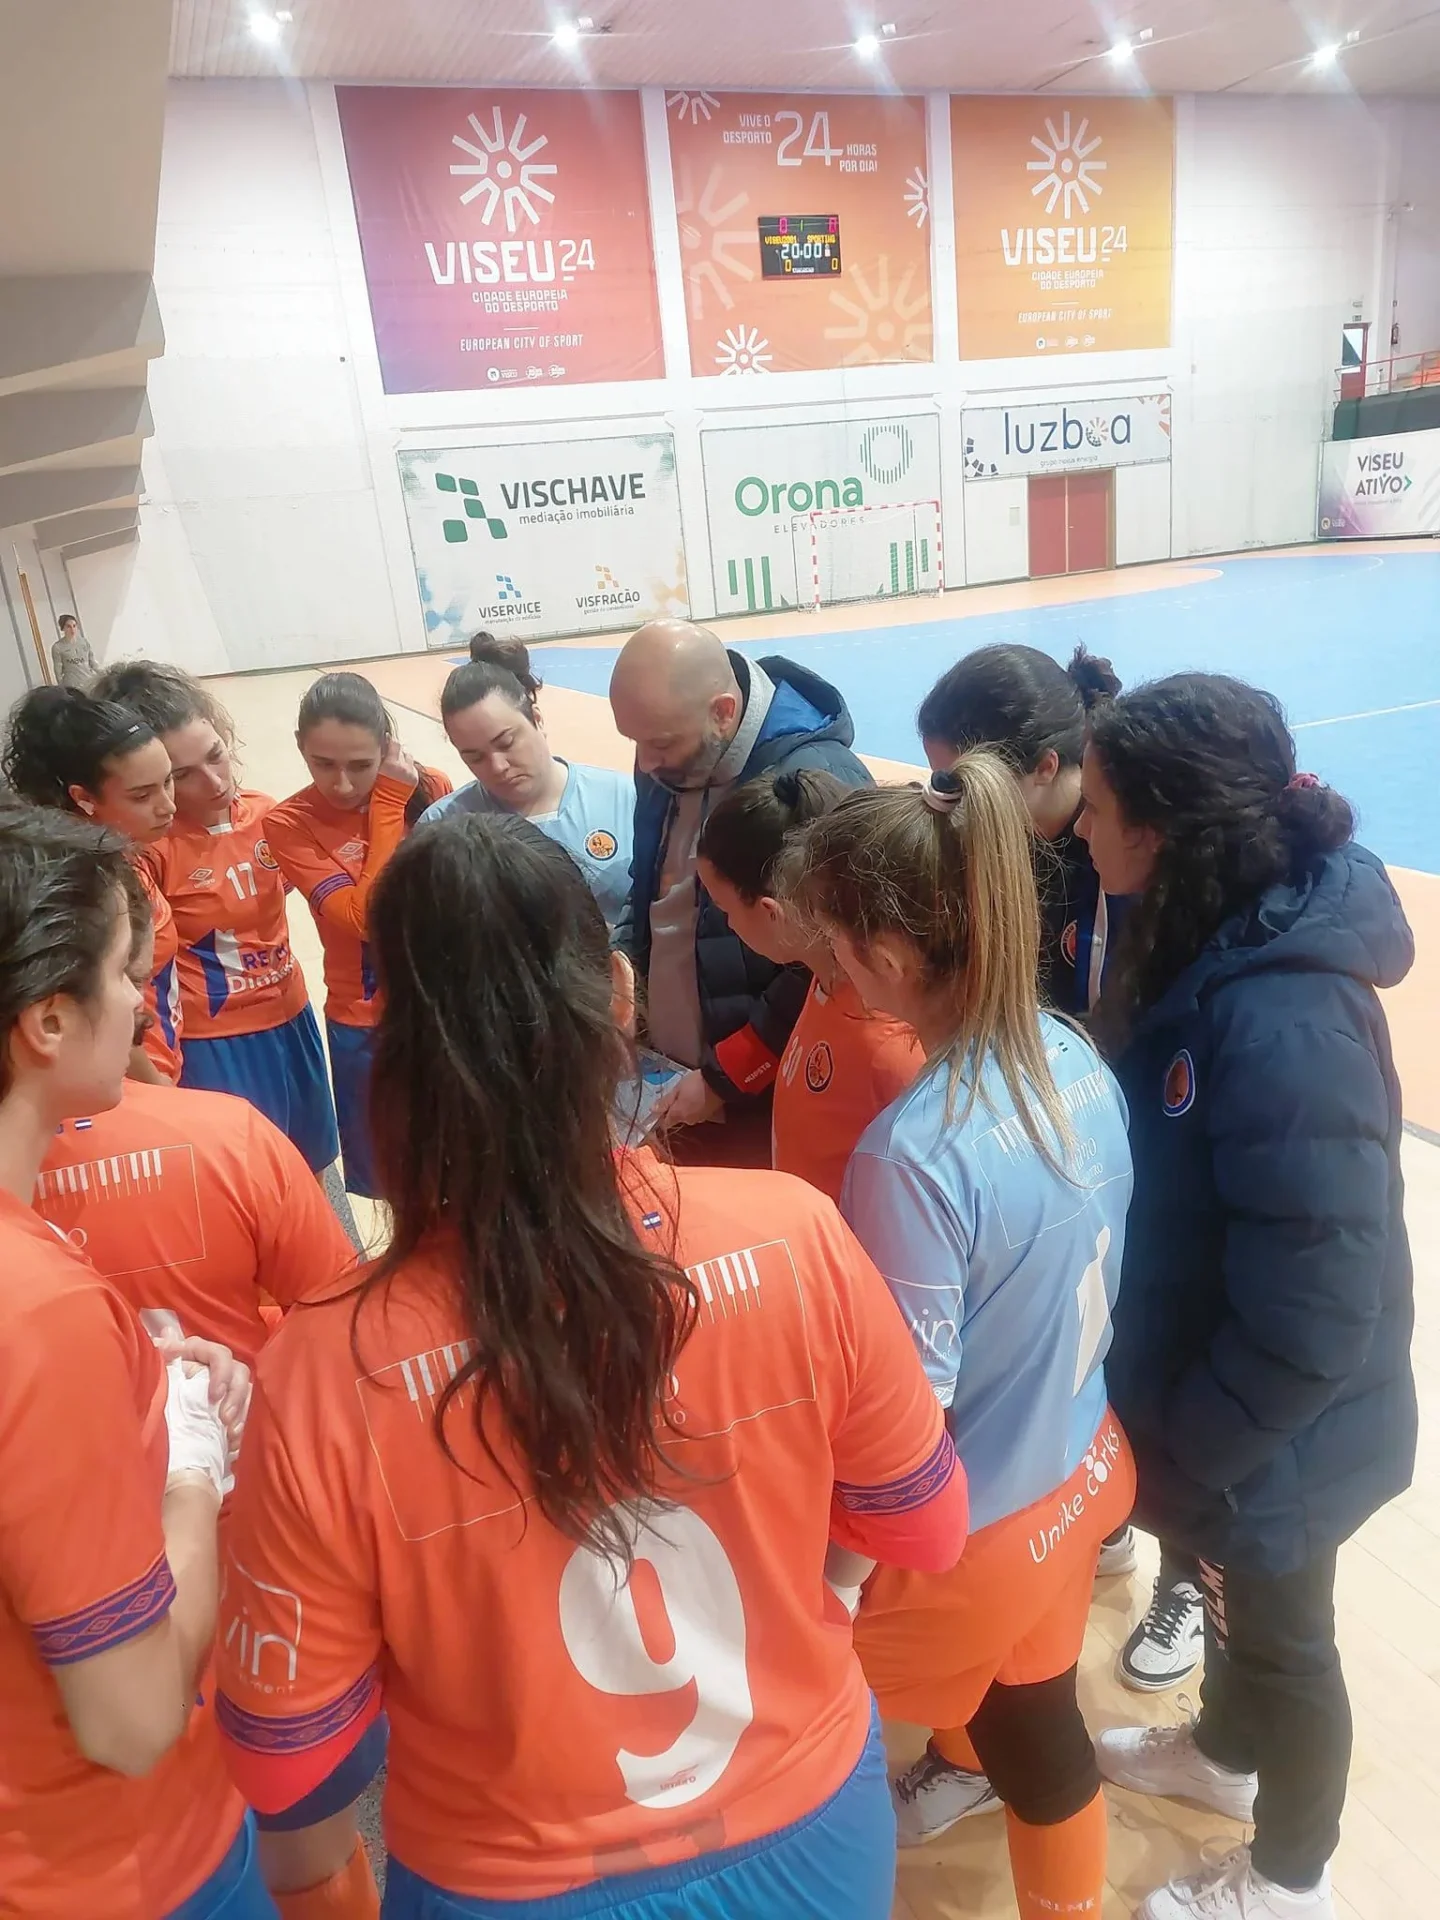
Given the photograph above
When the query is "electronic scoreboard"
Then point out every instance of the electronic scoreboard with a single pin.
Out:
(799, 246)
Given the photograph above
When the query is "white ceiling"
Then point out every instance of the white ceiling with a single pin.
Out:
(976, 46)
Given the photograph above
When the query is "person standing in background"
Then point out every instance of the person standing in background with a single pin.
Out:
(332, 841)
(72, 657)
(705, 720)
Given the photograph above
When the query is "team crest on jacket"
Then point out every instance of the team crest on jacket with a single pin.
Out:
(1070, 942)
(819, 1067)
(1179, 1094)
(265, 856)
(601, 845)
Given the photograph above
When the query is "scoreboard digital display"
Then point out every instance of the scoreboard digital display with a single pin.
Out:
(799, 246)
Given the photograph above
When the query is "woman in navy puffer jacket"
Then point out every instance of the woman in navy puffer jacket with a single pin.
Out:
(1261, 1362)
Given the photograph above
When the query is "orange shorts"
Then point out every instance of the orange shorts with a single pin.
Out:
(1013, 1609)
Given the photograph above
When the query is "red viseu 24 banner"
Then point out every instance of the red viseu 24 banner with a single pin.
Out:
(505, 233)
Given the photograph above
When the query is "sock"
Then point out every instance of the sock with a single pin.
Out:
(1059, 1869)
(954, 1744)
(350, 1894)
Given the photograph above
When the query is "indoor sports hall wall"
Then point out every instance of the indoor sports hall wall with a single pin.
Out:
(289, 495)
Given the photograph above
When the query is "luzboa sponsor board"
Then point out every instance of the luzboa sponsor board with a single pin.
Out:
(1066, 435)
(1063, 224)
(505, 235)
(1369, 488)
(539, 541)
(763, 483)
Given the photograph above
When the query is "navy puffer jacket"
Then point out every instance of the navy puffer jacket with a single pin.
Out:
(1261, 1361)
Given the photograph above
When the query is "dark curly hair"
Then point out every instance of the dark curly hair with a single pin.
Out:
(1019, 702)
(1209, 764)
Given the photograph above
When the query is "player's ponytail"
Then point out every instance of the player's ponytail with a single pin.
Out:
(496, 1064)
(744, 836)
(1018, 702)
(497, 664)
(949, 871)
(61, 739)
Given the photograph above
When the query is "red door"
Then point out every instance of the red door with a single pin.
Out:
(1049, 543)
(1088, 519)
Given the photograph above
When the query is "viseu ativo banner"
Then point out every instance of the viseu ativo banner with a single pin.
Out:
(1380, 486)
(762, 483)
(573, 536)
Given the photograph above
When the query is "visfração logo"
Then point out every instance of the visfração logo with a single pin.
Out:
(610, 595)
(456, 531)
(506, 174)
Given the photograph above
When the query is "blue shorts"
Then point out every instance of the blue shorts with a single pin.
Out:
(281, 1072)
(235, 1891)
(836, 1864)
(350, 1049)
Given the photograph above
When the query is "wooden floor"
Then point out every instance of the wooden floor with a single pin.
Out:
(1389, 1594)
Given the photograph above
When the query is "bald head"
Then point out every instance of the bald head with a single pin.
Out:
(674, 693)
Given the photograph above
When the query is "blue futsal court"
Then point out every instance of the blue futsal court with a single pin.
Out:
(1349, 642)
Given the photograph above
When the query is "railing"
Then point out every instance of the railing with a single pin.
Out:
(1402, 373)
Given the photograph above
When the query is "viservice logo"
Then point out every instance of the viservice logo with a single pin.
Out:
(506, 591)
(1069, 174)
(509, 602)
(456, 532)
(499, 159)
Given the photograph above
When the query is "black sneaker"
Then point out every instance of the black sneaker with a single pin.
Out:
(1169, 1643)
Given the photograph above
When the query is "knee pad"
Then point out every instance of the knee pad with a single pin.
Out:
(1033, 1744)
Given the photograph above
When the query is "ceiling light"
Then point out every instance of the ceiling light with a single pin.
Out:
(1325, 57)
(1145, 36)
(568, 33)
(265, 27)
(1123, 50)
(284, 16)
(867, 46)
(889, 30)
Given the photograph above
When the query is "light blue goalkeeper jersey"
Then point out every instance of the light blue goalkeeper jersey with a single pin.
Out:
(1005, 1271)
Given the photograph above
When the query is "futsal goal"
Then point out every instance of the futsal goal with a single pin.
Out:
(869, 553)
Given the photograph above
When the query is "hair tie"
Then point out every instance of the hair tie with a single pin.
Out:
(942, 792)
(1302, 781)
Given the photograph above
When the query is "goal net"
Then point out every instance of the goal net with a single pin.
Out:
(869, 553)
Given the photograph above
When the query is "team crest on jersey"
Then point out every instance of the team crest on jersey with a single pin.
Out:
(601, 845)
(265, 856)
(202, 876)
(819, 1067)
(1179, 1094)
(1070, 943)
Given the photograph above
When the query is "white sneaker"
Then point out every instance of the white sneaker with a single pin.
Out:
(1165, 1762)
(1169, 1643)
(1233, 1890)
(933, 1796)
(1117, 1555)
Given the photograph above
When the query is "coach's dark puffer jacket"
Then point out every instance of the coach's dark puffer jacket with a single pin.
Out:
(1261, 1361)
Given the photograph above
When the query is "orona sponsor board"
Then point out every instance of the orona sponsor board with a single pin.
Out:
(1385, 486)
(579, 536)
(1065, 435)
(762, 484)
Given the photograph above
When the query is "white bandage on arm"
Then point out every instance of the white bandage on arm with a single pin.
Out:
(198, 1442)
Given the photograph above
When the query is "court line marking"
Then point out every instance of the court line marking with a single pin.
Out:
(1374, 713)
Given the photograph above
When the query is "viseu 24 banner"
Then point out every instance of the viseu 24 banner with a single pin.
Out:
(574, 536)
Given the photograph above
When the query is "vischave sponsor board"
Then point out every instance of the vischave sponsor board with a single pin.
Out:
(761, 484)
(1383, 486)
(568, 537)
(1066, 435)
(505, 235)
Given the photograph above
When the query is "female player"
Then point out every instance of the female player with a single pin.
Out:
(249, 1029)
(332, 841)
(842, 1065)
(1032, 712)
(99, 760)
(116, 1800)
(1262, 1347)
(609, 1408)
(992, 1195)
(491, 716)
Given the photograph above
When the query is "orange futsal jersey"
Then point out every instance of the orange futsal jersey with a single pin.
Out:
(842, 1067)
(83, 1461)
(237, 973)
(162, 996)
(195, 1202)
(334, 857)
(545, 1730)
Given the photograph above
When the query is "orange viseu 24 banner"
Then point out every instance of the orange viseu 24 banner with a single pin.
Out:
(1063, 224)
(505, 234)
(804, 229)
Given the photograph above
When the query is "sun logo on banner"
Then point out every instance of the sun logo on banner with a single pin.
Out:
(917, 197)
(885, 318)
(743, 350)
(693, 107)
(1070, 175)
(499, 159)
(712, 253)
